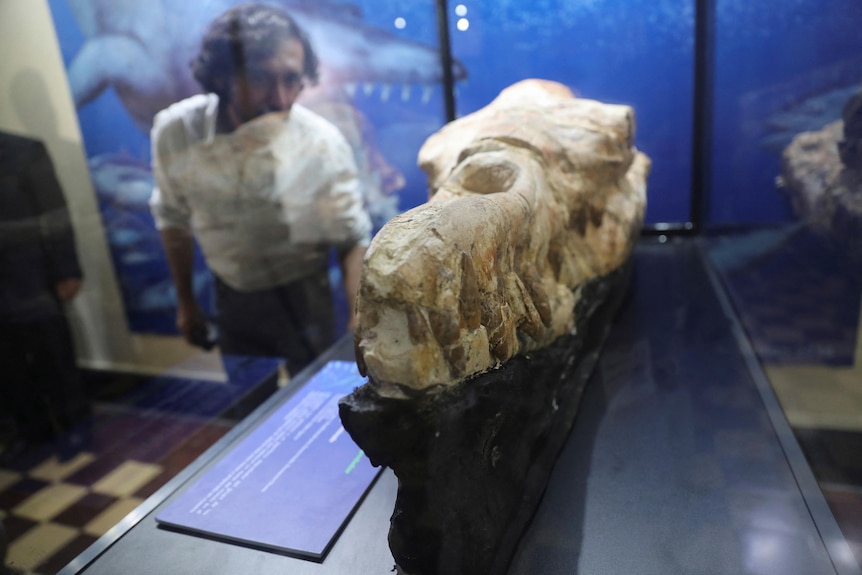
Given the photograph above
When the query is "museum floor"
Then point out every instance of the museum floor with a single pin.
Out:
(55, 503)
(796, 297)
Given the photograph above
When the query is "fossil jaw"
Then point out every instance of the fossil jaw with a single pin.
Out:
(530, 197)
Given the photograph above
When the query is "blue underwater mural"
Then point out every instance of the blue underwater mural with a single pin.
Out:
(381, 82)
(635, 52)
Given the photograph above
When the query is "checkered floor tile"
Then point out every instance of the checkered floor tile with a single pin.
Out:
(143, 433)
(53, 510)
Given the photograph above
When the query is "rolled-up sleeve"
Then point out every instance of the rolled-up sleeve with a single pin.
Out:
(169, 208)
(168, 211)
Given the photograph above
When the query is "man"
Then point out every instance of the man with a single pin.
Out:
(41, 393)
(267, 187)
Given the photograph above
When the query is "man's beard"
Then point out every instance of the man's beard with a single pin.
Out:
(249, 115)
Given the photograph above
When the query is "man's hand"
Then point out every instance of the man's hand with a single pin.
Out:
(67, 288)
(191, 322)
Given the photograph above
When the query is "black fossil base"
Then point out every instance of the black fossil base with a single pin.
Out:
(473, 461)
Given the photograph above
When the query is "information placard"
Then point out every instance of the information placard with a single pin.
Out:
(291, 484)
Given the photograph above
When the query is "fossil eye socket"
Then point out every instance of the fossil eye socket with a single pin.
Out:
(488, 174)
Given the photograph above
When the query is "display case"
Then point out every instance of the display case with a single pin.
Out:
(717, 429)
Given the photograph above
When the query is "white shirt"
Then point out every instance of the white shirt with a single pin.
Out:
(267, 201)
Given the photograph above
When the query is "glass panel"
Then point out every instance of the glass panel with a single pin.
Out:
(402, 96)
(380, 85)
(785, 212)
(635, 53)
(235, 170)
(777, 73)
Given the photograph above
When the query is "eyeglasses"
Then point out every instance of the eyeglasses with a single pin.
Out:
(267, 81)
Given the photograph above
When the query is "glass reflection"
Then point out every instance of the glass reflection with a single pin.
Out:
(264, 185)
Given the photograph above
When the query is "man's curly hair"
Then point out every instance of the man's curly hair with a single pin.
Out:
(244, 34)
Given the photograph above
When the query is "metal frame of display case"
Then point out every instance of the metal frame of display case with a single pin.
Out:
(704, 71)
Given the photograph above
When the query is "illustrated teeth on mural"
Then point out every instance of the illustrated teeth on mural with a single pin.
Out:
(335, 37)
(386, 91)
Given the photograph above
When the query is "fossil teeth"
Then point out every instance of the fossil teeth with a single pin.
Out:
(470, 300)
(360, 362)
(417, 327)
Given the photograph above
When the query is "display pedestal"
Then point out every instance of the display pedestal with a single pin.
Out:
(472, 461)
